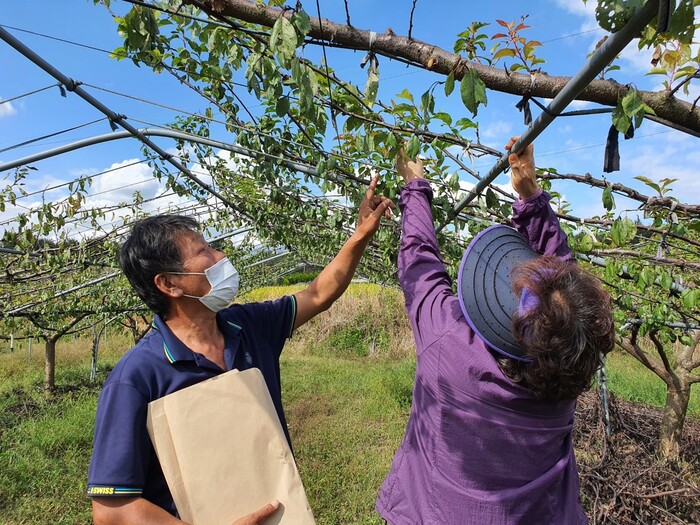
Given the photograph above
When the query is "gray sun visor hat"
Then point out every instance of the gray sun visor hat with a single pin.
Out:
(485, 286)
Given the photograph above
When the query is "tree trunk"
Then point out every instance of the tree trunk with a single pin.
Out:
(677, 399)
(50, 366)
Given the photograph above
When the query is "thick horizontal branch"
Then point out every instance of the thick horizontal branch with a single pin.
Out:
(438, 60)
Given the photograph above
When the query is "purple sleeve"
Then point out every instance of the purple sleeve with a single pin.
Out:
(538, 224)
(427, 288)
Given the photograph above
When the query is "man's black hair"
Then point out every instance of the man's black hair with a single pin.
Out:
(152, 249)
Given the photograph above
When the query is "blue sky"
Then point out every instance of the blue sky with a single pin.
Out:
(565, 27)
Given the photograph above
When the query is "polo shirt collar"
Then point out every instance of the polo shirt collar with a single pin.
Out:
(175, 350)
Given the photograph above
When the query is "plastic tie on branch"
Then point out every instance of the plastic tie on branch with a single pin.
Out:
(545, 109)
(524, 107)
(524, 104)
(612, 148)
(71, 85)
(612, 152)
(371, 56)
(113, 122)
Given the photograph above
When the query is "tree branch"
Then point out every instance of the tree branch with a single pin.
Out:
(648, 201)
(653, 335)
(438, 60)
(630, 346)
(660, 260)
(607, 223)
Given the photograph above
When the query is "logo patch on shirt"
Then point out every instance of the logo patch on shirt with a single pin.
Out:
(101, 490)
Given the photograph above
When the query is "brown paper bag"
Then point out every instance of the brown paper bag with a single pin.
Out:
(223, 452)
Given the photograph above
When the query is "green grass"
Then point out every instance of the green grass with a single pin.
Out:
(46, 442)
(346, 390)
(631, 380)
(347, 418)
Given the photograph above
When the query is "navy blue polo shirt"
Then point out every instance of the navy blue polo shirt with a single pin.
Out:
(123, 461)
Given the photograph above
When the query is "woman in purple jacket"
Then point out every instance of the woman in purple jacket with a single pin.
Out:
(489, 438)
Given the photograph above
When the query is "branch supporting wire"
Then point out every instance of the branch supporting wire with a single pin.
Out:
(601, 58)
(599, 261)
(64, 292)
(98, 280)
(115, 118)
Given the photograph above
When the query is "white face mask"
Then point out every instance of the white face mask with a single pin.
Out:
(223, 279)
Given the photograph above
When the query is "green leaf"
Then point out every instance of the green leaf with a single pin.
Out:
(450, 84)
(352, 123)
(585, 244)
(283, 39)
(620, 119)
(686, 340)
(465, 123)
(473, 91)
(506, 52)
(406, 95)
(649, 183)
(618, 232)
(427, 102)
(445, 117)
(682, 23)
(321, 167)
(631, 103)
(665, 280)
(608, 198)
(372, 86)
(491, 199)
(413, 147)
(690, 298)
(302, 23)
(282, 106)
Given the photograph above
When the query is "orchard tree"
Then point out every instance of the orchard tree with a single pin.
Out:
(315, 133)
(53, 284)
(217, 47)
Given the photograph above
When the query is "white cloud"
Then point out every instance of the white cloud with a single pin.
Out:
(500, 129)
(668, 160)
(575, 105)
(633, 59)
(123, 179)
(578, 8)
(6, 109)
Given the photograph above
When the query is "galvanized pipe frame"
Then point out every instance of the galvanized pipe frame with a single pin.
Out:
(601, 58)
(155, 132)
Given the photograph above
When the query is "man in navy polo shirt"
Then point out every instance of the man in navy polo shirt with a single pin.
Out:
(196, 336)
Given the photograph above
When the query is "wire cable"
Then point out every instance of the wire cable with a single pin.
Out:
(37, 139)
(5, 101)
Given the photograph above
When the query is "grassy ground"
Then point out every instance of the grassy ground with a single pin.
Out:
(347, 379)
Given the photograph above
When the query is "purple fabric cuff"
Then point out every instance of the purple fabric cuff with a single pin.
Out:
(532, 197)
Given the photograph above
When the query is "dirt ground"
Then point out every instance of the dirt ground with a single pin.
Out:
(622, 481)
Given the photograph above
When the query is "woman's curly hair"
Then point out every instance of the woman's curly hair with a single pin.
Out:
(565, 334)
